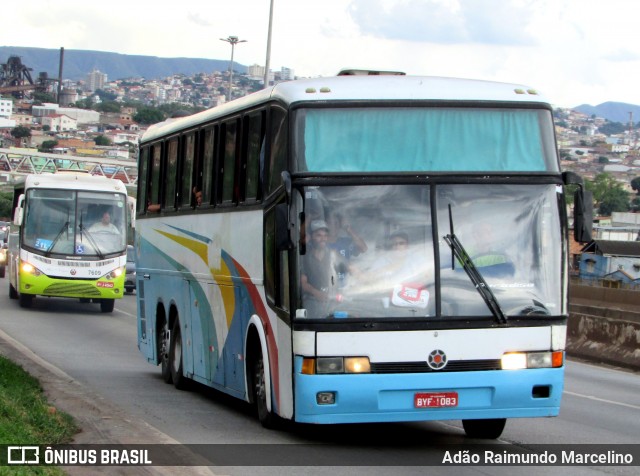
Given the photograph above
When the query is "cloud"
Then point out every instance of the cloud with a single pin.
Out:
(445, 21)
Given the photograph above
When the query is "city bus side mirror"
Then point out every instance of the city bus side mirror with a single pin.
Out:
(582, 208)
(19, 212)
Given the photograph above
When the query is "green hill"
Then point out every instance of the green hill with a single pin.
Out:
(78, 63)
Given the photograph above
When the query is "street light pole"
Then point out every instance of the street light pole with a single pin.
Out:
(268, 60)
(233, 41)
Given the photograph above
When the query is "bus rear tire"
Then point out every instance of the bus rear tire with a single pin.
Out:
(25, 300)
(267, 418)
(489, 429)
(106, 305)
(164, 340)
(175, 358)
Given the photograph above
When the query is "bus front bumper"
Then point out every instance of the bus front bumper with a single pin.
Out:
(43, 285)
(361, 398)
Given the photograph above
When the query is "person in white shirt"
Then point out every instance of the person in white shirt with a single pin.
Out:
(104, 225)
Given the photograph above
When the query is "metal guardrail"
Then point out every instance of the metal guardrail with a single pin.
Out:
(15, 163)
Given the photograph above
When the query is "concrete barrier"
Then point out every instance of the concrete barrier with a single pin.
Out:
(604, 334)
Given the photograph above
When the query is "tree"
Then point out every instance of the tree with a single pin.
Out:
(148, 115)
(615, 200)
(6, 202)
(603, 160)
(108, 106)
(48, 145)
(102, 140)
(20, 132)
(635, 185)
(609, 194)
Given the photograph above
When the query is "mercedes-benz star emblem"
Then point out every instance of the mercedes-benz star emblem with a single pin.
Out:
(437, 359)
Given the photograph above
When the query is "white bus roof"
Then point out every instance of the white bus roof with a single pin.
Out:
(75, 181)
(361, 88)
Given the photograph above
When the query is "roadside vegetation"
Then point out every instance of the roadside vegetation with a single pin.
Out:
(26, 418)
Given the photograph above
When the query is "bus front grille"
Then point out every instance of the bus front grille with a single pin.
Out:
(72, 289)
(422, 367)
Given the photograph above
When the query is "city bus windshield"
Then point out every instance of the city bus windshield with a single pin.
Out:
(371, 251)
(427, 139)
(74, 223)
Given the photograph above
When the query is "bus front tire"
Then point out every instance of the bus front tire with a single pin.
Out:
(489, 429)
(13, 294)
(267, 418)
(175, 358)
(106, 305)
(25, 300)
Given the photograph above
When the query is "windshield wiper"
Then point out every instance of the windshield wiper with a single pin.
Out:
(91, 240)
(55, 240)
(475, 276)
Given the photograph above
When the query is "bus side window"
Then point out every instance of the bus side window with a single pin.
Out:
(153, 197)
(278, 135)
(205, 164)
(142, 180)
(171, 175)
(276, 264)
(228, 156)
(255, 139)
(187, 158)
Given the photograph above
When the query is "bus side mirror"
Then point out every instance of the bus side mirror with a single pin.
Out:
(19, 212)
(582, 216)
(582, 208)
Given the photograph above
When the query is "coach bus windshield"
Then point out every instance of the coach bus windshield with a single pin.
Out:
(373, 251)
(74, 223)
(439, 139)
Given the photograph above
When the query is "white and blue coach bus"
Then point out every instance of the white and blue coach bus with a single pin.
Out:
(360, 248)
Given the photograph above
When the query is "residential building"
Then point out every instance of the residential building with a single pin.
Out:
(60, 122)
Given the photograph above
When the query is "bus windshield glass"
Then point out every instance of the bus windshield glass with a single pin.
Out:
(75, 223)
(371, 251)
(424, 139)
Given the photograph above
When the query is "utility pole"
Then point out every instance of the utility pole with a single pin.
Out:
(233, 41)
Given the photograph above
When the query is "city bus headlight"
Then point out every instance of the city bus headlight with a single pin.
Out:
(336, 365)
(30, 269)
(532, 360)
(115, 273)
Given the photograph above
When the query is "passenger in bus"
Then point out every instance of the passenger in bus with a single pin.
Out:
(344, 241)
(104, 225)
(320, 267)
(197, 195)
(486, 252)
(400, 270)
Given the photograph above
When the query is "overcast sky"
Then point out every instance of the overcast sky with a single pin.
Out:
(573, 51)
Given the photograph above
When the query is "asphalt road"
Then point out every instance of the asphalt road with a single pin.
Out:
(90, 366)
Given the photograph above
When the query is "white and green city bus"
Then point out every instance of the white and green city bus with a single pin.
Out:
(435, 211)
(71, 238)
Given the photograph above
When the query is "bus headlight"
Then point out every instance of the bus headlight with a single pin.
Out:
(30, 269)
(532, 360)
(115, 273)
(336, 365)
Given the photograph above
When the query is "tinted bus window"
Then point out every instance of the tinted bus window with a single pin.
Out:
(142, 180)
(278, 161)
(186, 191)
(170, 175)
(208, 162)
(254, 151)
(154, 187)
(229, 162)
